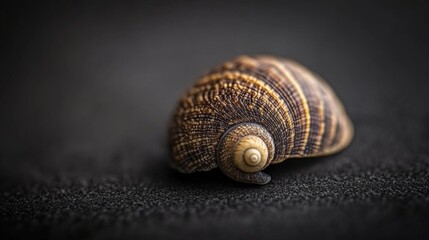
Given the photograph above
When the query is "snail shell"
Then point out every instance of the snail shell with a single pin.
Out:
(255, 111)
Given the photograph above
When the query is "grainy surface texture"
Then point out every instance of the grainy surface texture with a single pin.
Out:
(88, 89)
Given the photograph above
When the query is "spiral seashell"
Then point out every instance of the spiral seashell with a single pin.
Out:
(251, 112)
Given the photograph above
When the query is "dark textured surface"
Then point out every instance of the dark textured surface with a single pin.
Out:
(87, 90)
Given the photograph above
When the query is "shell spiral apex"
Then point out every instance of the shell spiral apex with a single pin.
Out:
(251, 112)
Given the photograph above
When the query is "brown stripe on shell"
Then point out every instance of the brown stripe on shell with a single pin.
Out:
(274, 80)
(290, 87)
(315, 102)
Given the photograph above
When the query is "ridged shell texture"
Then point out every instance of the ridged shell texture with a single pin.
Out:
(297, 107)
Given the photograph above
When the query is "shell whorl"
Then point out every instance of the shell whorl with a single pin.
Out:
(294, 107)
(250, 154)
(244, 150)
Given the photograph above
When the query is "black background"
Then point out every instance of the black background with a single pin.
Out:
(87, 90)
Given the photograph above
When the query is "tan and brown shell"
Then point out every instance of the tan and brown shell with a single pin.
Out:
(254, 111)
